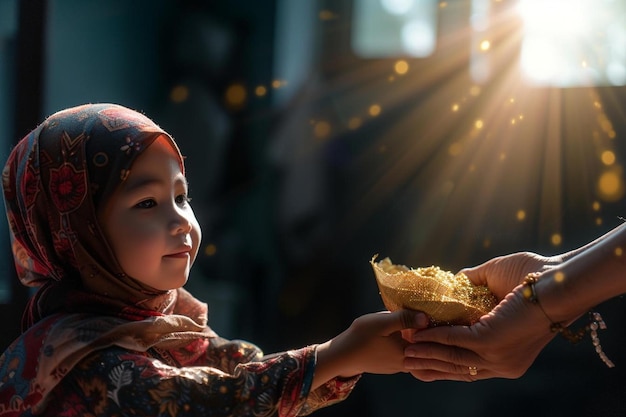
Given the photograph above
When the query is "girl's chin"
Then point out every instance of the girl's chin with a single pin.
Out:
(171, 285)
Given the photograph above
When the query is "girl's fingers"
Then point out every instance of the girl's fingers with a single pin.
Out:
(400, 320)
(385, 323)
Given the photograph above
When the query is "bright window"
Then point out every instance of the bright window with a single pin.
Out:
(391, 28)
(574, 42)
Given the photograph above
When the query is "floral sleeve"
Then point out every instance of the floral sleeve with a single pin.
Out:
(237, 382)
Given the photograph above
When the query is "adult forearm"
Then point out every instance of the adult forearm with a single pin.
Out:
(586, 278)
(569, 255)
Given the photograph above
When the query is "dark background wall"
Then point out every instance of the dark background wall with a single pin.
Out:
(298, 181)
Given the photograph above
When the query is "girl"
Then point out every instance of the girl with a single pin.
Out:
(100, 221)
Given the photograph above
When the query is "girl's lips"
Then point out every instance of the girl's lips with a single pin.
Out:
(178, 255)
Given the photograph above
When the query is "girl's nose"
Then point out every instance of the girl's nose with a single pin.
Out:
(181, 222)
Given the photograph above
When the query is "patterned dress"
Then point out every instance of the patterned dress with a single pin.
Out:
(209, 377)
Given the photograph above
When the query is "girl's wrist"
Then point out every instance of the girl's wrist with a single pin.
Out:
(332, 362)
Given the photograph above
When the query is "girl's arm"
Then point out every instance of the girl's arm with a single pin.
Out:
(234, 378)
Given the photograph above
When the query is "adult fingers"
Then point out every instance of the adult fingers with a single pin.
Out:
(469, 375)
(447, 335)
(476, 274)
(442, 358)
(436, 362)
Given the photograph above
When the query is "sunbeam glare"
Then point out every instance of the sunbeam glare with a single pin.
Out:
(574, 42)
(476, 154)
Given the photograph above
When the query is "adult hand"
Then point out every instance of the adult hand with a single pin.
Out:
(503, 343)
(506, 341)
(504, 273)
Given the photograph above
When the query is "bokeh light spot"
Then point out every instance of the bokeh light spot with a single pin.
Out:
(610, 186)
(556, 239)
(210, 249)
(278, 84)
(260, 91)
(179, 94)
(559, 276)
(608, 157)
(235, 95)
(374, 110)
(321, 129)
(520, 215)
(401, 67)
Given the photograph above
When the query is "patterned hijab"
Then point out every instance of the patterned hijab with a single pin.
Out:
(53, 182)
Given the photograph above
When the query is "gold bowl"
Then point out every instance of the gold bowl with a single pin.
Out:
(447, 298)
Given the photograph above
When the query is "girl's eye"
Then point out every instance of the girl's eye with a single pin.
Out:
(145, 204)
(183, 199)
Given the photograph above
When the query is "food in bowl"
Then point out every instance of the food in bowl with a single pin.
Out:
(447, 298)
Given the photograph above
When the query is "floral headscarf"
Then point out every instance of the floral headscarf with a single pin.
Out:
(53, 182)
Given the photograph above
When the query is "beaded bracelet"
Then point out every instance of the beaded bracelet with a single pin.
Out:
(595, 321)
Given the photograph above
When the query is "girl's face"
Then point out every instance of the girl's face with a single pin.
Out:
(149, 223)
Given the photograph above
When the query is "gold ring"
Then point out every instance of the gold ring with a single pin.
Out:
(473, 371)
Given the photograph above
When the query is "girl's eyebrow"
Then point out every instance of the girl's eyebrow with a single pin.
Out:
(147, 181)
(141, 182)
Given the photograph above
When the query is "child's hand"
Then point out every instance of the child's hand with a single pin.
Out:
(372, 344)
